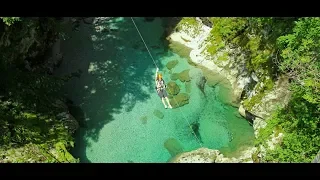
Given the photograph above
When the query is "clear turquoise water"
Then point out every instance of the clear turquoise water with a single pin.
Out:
(117, 96)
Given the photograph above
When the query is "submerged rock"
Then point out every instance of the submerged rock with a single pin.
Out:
(158, 114)
(198, 77)
(180, 49)
(188, 87)
(195, 74)
(173, 146)
(195, 128)
(170, 65)
(144, 119)
(173, 88)
(174, 76)
(179, 100)
(213, 79)
(201, 84)
(184, 75)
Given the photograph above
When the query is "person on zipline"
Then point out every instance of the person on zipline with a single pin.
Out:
(160, 87)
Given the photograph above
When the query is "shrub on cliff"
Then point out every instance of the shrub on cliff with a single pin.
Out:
(10, 20)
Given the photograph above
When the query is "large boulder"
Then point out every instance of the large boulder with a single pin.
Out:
(170, 65)
(184, 76)
(173, 146)
(173, 88)
(179, 100)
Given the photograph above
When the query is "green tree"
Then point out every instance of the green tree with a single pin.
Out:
(277, 46)
(31, 129)
(300, 58)
(300, 120)
(10, 20)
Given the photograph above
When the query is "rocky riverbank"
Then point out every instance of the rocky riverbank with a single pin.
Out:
(233, 68)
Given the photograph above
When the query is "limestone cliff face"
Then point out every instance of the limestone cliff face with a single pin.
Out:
(246, 85)
(33, 45)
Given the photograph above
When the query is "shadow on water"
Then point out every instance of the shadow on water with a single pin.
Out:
(111, 77)
(169, 24)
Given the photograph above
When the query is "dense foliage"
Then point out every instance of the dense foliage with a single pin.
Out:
(190, 24)
(30, 127)
(275, 46)
(10, 20)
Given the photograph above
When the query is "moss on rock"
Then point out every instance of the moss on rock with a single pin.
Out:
(35, 153)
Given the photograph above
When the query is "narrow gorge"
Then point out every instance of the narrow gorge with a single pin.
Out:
(82, 89)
